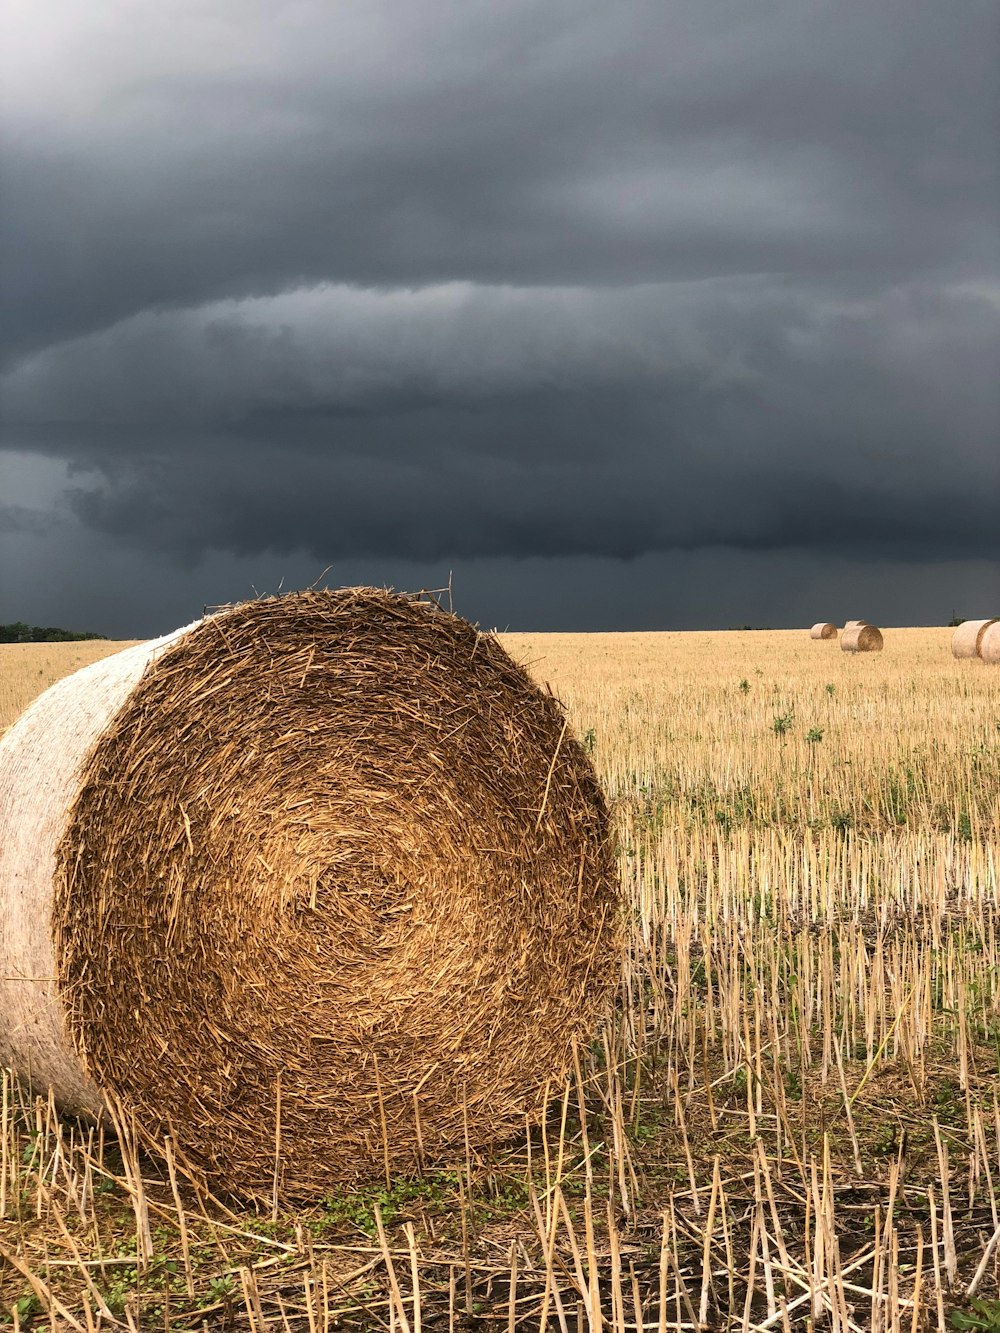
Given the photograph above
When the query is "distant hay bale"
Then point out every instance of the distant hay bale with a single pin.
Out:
(853, 624)
(860, 637)
(824, 629)
(989, 644)
(325, 871)
(968, 637)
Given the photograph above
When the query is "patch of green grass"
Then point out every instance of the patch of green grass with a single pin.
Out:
(218, 1290)
(117, 1291)
(783, 722)
(793, 1085)
(357, 1207)
(948, 1102)
(26, 1306)
(982, 1315)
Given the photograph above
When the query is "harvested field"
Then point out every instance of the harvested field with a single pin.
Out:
(792, 1118)
(26, 669)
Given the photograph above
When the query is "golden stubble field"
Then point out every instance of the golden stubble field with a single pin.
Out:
(791, 1117)
(26, 669)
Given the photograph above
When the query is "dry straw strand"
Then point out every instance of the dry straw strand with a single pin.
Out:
(302, 838)
(968, 637)
(861, 638)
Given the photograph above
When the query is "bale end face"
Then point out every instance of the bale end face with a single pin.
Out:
(989, 644)
(335, 878)
(861, 638)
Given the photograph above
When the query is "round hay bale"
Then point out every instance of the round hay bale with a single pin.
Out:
(989, 644)
(861, 638)
(325, 871)
(968, 637)
(823, 630)
(853, 624)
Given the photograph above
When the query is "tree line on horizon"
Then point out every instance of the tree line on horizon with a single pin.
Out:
(19, 632)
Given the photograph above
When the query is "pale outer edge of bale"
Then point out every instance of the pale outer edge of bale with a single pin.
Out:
(989, 644)
(968, 637)
(823, 629)
(42, 758)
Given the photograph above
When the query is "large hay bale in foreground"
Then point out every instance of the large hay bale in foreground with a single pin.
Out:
(825, 629)
(861, 638)
(989, 644)
(324, 870)
(968, 637)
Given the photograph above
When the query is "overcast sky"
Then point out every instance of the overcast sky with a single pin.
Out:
(640, 315)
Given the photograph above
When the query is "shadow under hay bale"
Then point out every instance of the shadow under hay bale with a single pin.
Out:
(989, 644)
(861, 638)
(823, 630)
(319, 883)
(968, 637)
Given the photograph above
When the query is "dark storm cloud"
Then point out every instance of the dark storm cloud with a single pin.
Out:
(21, 518)
(431, 281)
(182, 156)
(488, 421)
